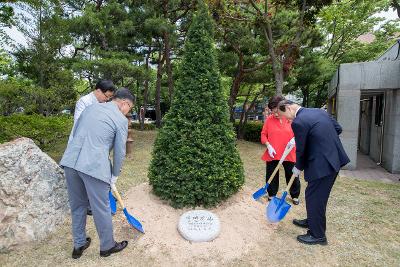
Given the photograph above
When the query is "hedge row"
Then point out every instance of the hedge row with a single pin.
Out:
(44, 131)
(147, 126)
(251, 131)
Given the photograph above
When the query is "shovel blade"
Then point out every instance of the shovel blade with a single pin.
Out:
(133, 221)
(277, 209)
(260, 192)
(113, 203)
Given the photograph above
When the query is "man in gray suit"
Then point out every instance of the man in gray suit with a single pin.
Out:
(89, 172)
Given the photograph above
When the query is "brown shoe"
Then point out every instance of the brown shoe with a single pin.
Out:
(115, 249)
(77, 252)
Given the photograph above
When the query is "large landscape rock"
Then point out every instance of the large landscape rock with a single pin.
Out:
(33, 195)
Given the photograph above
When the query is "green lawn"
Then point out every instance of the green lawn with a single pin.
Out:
(363, 225)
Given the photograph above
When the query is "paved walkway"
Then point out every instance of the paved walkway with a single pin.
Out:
(367, 169)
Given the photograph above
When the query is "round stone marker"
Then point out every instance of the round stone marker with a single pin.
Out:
(199, 226)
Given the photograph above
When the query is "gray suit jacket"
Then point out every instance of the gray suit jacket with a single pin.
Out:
(100, 129)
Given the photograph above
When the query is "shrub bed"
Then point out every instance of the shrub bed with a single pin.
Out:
(46, 132)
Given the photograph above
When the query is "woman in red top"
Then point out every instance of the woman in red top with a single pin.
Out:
(276, 133)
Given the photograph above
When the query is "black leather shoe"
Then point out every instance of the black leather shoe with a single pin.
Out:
(301, 223)
(295, 201)
(77, 252)
(310, 240)
(117, 248)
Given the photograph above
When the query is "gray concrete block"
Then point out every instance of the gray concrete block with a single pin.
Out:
(391, 54)
(389, 75)
(349, 77)
(370, 75)
(350, 146)
(348, 109)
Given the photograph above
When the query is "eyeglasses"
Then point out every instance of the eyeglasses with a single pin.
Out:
(108, 97)
(130, 106)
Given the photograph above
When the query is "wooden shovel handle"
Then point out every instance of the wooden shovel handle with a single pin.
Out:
(290, 183)
(273, 173)
(285, 153)
(117, 195)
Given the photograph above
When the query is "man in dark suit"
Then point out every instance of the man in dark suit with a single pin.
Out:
(319, 152)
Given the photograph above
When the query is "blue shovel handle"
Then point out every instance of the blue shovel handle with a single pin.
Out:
(285, 192)
(113, 203)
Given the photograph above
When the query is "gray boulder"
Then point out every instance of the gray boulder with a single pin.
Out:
(33, 195)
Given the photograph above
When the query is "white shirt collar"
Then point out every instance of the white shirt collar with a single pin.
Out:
(94, 98)
(295, 115)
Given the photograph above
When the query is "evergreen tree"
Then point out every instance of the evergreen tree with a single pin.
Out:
(195, 160)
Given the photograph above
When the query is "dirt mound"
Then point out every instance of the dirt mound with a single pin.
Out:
(242, 219)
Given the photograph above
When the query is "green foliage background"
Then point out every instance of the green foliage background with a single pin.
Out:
(251, 131)
(46, 132)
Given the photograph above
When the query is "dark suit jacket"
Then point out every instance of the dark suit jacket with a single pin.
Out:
(319, 151)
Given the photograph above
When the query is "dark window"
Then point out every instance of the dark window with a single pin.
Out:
(379, 110)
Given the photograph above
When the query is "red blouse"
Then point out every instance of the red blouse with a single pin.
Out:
(278, 135)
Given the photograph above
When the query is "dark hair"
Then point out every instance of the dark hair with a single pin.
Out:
(105, 85)
(274, 101)
(282, 105)
(124, 93)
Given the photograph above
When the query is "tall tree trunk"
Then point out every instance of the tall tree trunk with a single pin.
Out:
(245, 114)
(277, 64)
(319, 101)
(235, 86)
(277, 67)
(233, 93)
(167, 54)
(143, 110)
(158, 87)
(42, 108)
(167, 57)
(306, 94)
(240, 132)
(98, 4)
(396, 5)
(278, 73)
(252, 105)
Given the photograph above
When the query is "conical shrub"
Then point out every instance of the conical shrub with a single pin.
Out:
(195, 161)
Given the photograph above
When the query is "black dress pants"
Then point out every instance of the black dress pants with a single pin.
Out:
(317, 194)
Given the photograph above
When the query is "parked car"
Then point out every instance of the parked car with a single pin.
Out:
(66, 112)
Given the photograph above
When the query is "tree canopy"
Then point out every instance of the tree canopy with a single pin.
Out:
(263, 47)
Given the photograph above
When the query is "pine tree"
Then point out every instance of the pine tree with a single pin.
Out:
(195, 161)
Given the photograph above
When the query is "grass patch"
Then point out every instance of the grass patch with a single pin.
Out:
(363, 226)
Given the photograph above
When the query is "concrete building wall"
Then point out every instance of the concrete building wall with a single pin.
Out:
(348, 110)
(391, 148)
(368, 75)
(369, 78)
(392, 54)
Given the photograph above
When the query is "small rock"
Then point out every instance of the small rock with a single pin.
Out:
(199, 226)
